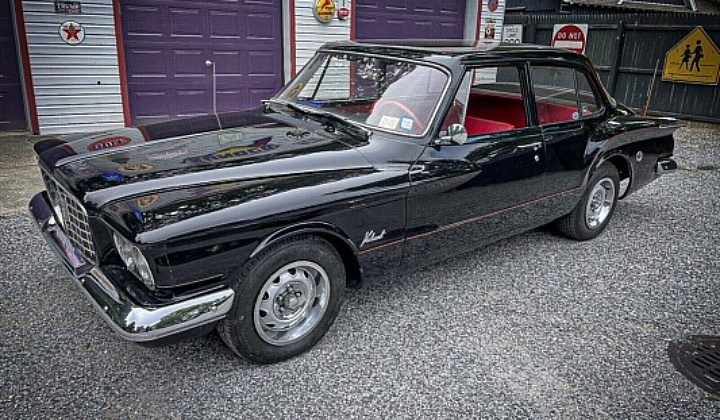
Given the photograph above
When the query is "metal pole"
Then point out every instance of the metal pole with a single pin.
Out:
(617, 59)
(211, 64)
(650, 89)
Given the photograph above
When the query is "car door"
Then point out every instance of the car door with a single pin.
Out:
(464, 195)
(569, 110)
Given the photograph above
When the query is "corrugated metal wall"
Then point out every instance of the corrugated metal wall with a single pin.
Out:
(311, 34)
(77, 87)
(625, 49)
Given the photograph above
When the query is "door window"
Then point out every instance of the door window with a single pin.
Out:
(489, 101)
(562, 94)
(589, 103)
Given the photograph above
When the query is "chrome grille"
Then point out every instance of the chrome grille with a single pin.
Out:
(72, 217)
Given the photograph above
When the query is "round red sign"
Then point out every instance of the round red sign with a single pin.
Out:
(324, 10)
(71, 32)
(570, 37)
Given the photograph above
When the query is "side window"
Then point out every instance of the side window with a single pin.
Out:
(489, 101)
(589, 103)
(555, 94)
(562, 94)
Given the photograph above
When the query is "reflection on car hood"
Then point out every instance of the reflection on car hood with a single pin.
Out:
(135, 161)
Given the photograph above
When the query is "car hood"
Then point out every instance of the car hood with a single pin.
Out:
(200, 153)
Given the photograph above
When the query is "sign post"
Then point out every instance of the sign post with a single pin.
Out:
(570, 36)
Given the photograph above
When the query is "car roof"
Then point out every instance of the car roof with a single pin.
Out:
(452, 48)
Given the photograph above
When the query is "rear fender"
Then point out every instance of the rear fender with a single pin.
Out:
(624, 166)
(630, 138)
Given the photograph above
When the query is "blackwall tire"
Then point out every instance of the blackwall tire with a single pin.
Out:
(596, 207)
(286, 299)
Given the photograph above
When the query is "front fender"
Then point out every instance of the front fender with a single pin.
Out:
(333, 234)
(313, 228)
(209, 232)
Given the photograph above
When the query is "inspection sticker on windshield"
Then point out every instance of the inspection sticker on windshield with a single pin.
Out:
(406, 123)
(389, 122)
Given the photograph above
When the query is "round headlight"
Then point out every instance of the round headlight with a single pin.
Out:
(117, 241)
(134, 260)
(125, 250)
(143, 271)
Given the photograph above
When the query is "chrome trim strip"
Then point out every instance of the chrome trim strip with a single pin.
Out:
(130, 320)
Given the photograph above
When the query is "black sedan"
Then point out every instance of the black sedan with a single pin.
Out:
(375, 158)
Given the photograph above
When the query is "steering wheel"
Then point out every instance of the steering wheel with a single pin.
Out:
(418, 125)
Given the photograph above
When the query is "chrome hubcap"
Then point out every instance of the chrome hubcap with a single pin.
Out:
(291, 303)
(600, 203)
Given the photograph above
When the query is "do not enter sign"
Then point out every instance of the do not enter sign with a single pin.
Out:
(571, 37)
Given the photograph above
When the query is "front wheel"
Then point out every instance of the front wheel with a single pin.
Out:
(286, 299)
(596, 207)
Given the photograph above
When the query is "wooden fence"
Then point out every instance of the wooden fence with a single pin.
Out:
(626, 48)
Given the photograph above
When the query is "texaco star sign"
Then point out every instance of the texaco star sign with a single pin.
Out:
(72, 32)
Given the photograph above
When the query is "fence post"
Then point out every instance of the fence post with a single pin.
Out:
(619, 46)
(531, 32)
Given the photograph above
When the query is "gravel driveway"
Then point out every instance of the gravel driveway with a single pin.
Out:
(534, 326)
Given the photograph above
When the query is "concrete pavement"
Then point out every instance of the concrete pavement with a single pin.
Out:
(19, 174)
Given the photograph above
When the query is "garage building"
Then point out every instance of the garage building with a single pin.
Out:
(77, 66)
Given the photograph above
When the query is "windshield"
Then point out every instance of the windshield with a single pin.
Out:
(385, 93)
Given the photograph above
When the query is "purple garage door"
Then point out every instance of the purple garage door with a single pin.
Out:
(12, 110)
(409, 19)
(168, 41)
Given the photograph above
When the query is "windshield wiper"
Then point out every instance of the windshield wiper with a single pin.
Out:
(335, 121)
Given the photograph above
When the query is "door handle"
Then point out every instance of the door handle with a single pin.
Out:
(534, 146)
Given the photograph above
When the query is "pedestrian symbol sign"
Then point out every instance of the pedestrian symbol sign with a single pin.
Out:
(695, 59)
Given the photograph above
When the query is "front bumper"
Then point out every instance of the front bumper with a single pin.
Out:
(132, 321)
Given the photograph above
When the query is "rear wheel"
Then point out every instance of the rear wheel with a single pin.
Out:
(286, 299)
(596, 207)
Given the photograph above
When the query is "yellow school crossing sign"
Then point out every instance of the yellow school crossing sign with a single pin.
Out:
(695, 59)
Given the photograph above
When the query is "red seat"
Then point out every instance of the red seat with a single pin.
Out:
(496, 107)
(476, 126)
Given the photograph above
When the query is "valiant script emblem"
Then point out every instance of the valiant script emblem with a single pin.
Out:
(371, 236)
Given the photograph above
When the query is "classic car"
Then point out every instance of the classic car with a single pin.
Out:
(374, 158)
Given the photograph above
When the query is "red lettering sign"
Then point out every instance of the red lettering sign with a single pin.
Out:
(570, 37)
(108, 143)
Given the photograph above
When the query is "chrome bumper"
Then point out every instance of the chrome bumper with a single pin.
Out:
(665, 166)
(132, 321)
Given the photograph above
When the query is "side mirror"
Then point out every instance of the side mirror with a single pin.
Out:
(456, 133)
